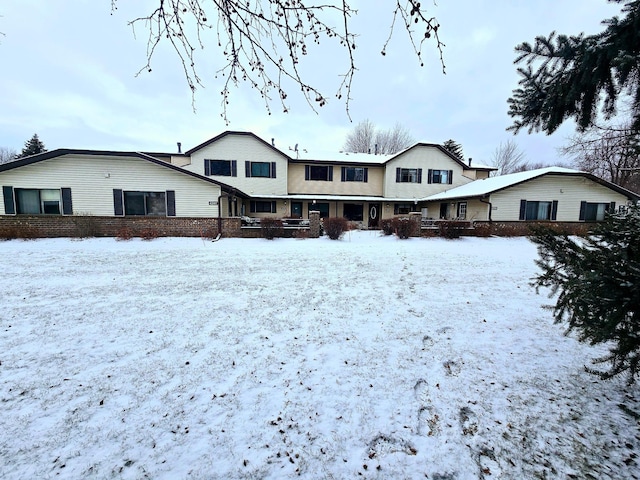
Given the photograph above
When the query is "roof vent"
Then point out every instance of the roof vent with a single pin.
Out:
(273, 142)
(179, 147)
(470, 161)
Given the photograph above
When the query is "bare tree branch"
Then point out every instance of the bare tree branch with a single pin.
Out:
(508, 158)
(366, 138)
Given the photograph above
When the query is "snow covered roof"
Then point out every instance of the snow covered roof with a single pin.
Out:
(337, 198)
(480, 188)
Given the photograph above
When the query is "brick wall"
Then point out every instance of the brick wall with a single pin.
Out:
(45, 226)
(515, 229)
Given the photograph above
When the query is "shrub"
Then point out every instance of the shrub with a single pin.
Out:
(209, 233)
(482, 229)
(149, 234)
(386, 225)
(451, 229)
(335, 227)
(301, 234)
(124, 233)
(13, 232)
(86, 225)
(271, 228)
(404, 227)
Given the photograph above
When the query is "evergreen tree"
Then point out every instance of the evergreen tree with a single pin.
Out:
(454, 147)
(597, 283)
(32, 146)
(573, 72)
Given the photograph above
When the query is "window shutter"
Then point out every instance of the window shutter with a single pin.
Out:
(207, 167)
(67, 204)
(398, 175)
(307, 168)
(247, 169)
(273, 207)
(430, 176)
(395, 209)
(612, 207)
(273, 170)
(419, 175)
(583, 210)
(366, 175)
(330, 173)
(234, 168)
(118, 206)
(343, 174)
(554, 210)
(523, 209)
(9, 203)
(171, 203)
(252, 206)
(450, 177)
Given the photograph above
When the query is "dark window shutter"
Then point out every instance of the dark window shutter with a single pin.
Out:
(307, 169)
(247, 169)
(273, 169)
(398, 175)
(343, 174)
(419, 175)
(252, 206)
(366, 175)
(430, 176)
(234, 168)
(171, 203)
(450, 177)
(273, 207)
(9, 204)
(67, 204)
(523, 209)
(612, 207)
(207, 167)
(583, 210)
(330, 175)
(554, 210)
(118, 207)
(395, 209)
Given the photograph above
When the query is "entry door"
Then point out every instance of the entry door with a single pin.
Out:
(444, 210)
(296, 209)
(375, 209)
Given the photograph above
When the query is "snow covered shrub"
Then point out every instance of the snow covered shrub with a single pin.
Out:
(404, 227)
(271, 228)
(386, 225)
(149, 234)
(450, 229)
(124, 233)
(335, 227)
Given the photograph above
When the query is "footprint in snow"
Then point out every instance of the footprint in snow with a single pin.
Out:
(421, 391)
(383, 444)
(452, 368)
(428, 421)
(468, 421)
(489, 466)
(427, 342)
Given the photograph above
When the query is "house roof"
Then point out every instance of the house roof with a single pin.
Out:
(482, 188)
(108, 153)
(232, 132)
(337, 198)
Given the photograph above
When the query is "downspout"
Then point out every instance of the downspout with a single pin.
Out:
(490, 207)
(220, 212)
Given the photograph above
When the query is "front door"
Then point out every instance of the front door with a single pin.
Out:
(444, 211)
(296, 209)
(374, 215)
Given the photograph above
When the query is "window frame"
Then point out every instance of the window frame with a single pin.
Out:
(529, 206)
(353, 214)
(250, 172)
(355, 174)
(585, 206)
(262, 206)
(440, 177)
(319, 207)
(403, 208)
(63, 202)
(312, 173)
(150, 199)
(408, 175)
(212, 168)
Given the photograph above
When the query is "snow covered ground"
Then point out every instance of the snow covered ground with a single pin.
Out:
(368, 357)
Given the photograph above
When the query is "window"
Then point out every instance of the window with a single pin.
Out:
(441, 176)
(31, 201)
(260, 169)
(462, 210)
(323, 173)
(262, 207)
(353, 212)
(323, 208)
(145, 203)
(223, 168)
(595, 212)
(537, 210)
(402, 208)
(408, 175)
(355, 174)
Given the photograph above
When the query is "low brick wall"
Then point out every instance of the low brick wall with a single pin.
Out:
(517, 229)
(48, 226)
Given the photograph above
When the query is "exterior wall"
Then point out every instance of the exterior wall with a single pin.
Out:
(476, 210)
(422, 157)
(243, 148)
(298, 185)
(93, 178)
(569, 191)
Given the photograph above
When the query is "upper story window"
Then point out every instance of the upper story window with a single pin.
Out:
(223, 168)
(322, 173)
(408, 175)
(441, 176)
(260, 169)
(355, 174)
(537, 210)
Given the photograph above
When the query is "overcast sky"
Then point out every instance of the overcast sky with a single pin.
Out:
(68, 74)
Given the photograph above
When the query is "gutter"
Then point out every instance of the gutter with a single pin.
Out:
(490, 207)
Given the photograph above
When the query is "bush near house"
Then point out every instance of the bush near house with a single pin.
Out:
(451, 229)
(271, 228)
(149, 234)
(335, 227)
(403, 227)
(386, 225)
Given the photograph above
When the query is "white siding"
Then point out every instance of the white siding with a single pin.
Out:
(569, 191)
(244, 148)
(92, 180)
(424, 157)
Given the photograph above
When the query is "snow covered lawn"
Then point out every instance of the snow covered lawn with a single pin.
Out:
(368, 357)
